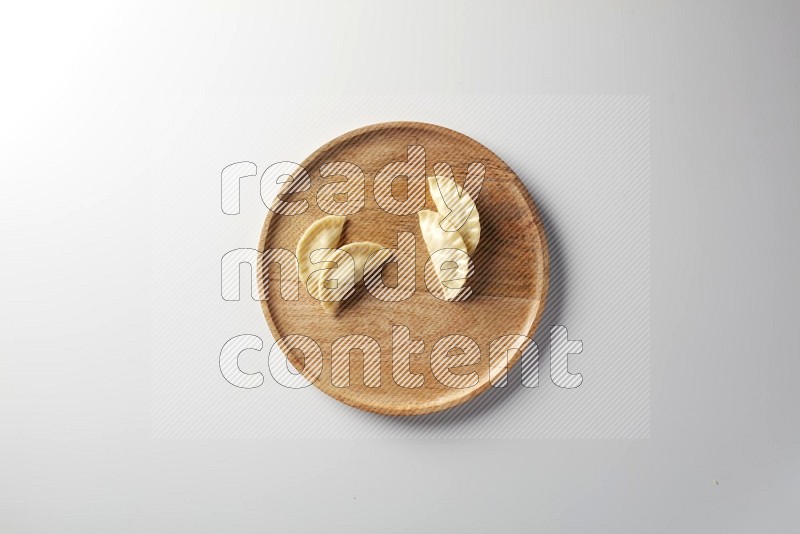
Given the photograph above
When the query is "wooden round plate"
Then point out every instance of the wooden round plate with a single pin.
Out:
(509, 283)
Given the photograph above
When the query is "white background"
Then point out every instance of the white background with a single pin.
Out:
(97, 100)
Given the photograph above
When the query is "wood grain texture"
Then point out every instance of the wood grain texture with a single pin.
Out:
(509, 285)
